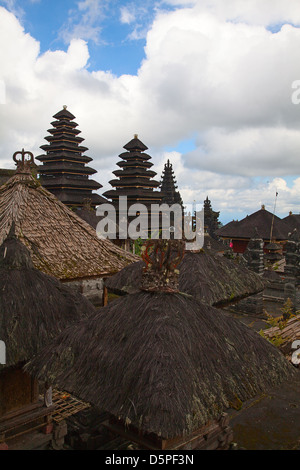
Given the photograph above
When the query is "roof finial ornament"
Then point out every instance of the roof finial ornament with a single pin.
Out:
(65, 106)
(23, 164)
(136, 136)
(161, 258)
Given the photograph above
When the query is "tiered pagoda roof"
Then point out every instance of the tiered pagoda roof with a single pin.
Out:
(135, 177)
(64, 171)
(211, 218)
(168, 186)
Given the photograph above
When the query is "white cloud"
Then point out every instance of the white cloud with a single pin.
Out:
(266, 12)
(227, 83)
(84, 22)
(127, 15)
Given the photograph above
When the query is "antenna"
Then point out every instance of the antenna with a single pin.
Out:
(271, 233)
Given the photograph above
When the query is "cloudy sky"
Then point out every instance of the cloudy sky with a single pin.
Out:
(213, 85)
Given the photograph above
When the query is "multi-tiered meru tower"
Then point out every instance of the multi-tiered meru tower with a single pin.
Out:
(64, 171)
(135, 179)
(169, 187)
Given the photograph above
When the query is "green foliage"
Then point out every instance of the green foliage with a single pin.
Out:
(138, 243)
(280, 323)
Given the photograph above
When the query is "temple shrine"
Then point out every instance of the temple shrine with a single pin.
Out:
(134, 179)
(64, 171)
(169, 187)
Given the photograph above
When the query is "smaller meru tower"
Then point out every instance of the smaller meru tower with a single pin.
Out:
(135, 179)
(169, 186)
(64, 171)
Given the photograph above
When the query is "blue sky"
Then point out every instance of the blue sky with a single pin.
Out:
(205, 83)
(115, 30)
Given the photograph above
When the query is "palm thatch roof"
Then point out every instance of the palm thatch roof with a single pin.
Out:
(267, 225)
(161, 361)
(34, 307)
(211, 243)
(208, 277)
(293, 221)
(59, 241)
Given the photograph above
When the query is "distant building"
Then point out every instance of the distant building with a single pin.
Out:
(293, 221)
(269, 227)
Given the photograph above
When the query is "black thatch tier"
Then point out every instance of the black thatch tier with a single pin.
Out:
(135, 171)
(134, 181)
(77, 182)
(134, 164)
(134, 156)
(69, 156)
(67, 167)
(135, 145)
(65, 130)
(64, 146)
(162, 362)
(64, 124)
(64, 137)
(70, 197)
(136, 195)
(208, 277)
(64, 114)
(34, 307)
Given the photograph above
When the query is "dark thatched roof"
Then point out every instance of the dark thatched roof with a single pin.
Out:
(211, 243)
(34, 307)
(163, 362)
(262, 220)
(206, 276)
(293, 221)
(60, 243)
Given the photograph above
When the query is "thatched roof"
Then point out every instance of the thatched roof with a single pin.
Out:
(59, 241)
(211, 243)
(264, 221)
(206, 276)
(161, 361)
(293, 221)
(34, 307)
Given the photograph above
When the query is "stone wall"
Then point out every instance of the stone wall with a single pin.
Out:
(92, 289)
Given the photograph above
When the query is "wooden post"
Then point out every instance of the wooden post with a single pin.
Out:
(105, 296)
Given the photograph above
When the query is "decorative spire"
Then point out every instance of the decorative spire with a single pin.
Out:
(162, 258)
(169, 186)
(23, 164)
